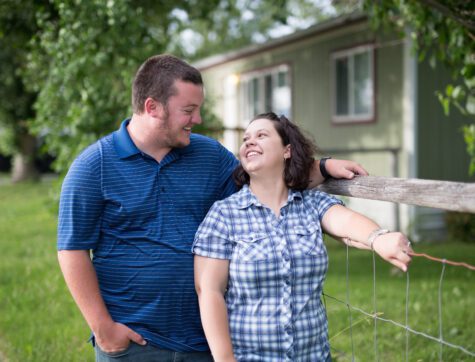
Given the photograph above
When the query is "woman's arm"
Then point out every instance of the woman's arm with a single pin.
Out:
(356, 229)
(211, 280)
(337, 169)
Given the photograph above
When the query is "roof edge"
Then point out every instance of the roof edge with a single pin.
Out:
(324, 26)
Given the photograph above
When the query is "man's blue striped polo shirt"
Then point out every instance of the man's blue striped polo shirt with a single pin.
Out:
(139, 217)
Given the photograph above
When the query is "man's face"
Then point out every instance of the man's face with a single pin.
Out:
(181, 113)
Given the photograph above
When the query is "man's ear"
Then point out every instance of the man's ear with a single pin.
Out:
(154, 108)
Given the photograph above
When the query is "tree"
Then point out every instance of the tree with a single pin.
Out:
(82, 65)
(236, 23)
(17, 26)
(443, 31)
(85, 53)
(84, 58)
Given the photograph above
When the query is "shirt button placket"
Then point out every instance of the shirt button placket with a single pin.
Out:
(286, 295)
(289, 355)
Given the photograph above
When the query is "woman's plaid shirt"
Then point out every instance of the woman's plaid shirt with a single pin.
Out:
(276, 273)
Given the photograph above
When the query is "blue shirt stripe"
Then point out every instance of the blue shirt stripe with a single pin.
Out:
(139, 218)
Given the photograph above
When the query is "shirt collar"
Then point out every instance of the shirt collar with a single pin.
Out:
(124, 145)
(248, 198)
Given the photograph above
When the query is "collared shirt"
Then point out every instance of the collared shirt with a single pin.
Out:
(276, 273)
(139, 218)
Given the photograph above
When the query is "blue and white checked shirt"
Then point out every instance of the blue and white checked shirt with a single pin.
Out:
(276, 274)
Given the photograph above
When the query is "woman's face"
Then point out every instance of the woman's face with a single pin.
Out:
(262, 148)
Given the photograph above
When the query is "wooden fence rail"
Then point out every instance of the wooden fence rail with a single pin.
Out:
(447, 195)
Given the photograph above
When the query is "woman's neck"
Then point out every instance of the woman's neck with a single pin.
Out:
(270, 192)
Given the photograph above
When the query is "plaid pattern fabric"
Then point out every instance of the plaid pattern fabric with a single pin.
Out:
(276, 273)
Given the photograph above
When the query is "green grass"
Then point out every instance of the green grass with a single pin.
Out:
(40, 322)
(38, 318)
(458, 300)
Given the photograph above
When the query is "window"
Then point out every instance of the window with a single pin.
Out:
(353, 84)
(266, 90)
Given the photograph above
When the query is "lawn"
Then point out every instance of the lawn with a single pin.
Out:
(39, 321)
(457, 299)
(38, 318)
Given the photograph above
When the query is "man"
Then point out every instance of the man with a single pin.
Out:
(136, 198)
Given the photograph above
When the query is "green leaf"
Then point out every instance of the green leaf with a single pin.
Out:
(470, 105)
(445, 102)
(448, 90)
(457, 92)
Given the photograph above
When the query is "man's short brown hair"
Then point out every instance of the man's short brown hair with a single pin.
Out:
(156, 77)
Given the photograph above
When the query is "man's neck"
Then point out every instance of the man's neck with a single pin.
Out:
(145, 138)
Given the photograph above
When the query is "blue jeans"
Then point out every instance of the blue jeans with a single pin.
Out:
(149, 353)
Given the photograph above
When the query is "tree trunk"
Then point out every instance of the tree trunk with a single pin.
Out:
(24, 168)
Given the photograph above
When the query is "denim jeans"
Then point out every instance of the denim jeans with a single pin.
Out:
(149, 353)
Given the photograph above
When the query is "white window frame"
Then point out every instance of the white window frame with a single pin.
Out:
(351, 116)
(260, 75)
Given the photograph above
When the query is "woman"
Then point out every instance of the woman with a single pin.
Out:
(260, 261)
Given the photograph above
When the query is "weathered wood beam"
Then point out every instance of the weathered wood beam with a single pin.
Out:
(447, 195)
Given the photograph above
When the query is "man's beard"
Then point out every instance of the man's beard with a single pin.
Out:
(172, 140)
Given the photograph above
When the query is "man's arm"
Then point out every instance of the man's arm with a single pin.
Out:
(81, 279)
(337, 169)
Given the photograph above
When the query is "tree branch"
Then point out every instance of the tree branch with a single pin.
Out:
(446, 11)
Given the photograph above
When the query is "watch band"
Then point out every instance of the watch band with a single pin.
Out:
(323, 169)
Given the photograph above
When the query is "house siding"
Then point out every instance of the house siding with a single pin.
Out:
(434, 149)
(310, 68)
(442, 151)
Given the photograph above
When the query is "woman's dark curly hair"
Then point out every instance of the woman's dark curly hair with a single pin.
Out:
(298, 166)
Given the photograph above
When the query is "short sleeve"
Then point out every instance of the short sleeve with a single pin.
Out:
(322, 201)
(80, 208)
(212, 238)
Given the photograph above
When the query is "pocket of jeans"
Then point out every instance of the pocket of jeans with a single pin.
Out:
(252, 247)
(117, 354)
(309, 239)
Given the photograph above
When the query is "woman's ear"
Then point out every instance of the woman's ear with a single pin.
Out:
(288, 152)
